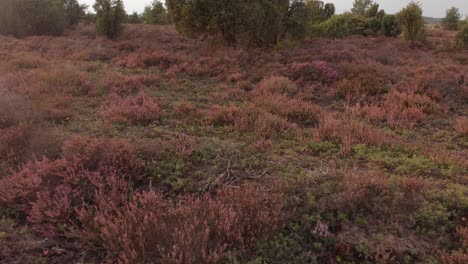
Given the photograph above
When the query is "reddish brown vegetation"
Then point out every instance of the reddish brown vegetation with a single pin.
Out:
(365, 136)
(139, 109)
(195, 230)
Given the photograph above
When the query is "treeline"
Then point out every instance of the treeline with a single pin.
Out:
(245, 23)
(268, 22)
(39, 17)
(155, 14)
(22, 18)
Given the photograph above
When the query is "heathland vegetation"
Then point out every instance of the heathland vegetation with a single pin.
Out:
(240, 131)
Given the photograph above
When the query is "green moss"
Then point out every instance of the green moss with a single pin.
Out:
(406, 163)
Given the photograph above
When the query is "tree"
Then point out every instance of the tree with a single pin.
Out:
(320, 11)
(110, 14)
(452, 18)
(296, 19)
(390, 27)
(155, 13)
(372, 10)
(411, 21)
(329, 10)
(134, 18)
(29, 17)
(361, 6)
(461, 39)
(74, 12)
(238, 22)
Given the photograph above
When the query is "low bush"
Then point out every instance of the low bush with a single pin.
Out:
(89, 195)
(305, 72)
(349, 132)
(340, 26)
(406, 109)
(143, 59)
(194, 230)
(139, 109)
(15, 109)
(461, 39)
(461, 125)
(277, 84)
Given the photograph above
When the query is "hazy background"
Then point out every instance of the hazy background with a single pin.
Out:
(432, 8)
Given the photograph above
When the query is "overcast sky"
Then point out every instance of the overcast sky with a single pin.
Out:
(432, 8)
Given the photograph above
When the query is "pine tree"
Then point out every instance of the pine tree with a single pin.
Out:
(411, 20)
(110, 14)
(452, 19)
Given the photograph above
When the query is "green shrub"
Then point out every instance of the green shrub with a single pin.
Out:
(74, 12)
(155, 13)
(461, 39)
(360, 7)
(134, 18)
(411, 21)
(110, 14)
(339, 26)
(452, 19)
(319, 11)
(390, 26)
(25, 17)
(239, 22)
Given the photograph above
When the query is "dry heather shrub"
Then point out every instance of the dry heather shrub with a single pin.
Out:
(25, 61)
(139, 109)
(405, 109)
(185, 109)
(459, 256)
(399, 109)
(437, 80)
(264, 124)
(262, 144)
(15, 109)
(276, 84)
(249, 118)
(59, 79)
(142, 59)
(90, 171)
(14, 143)
(312, 71)
(194, 230)
(295, 110)
(461, 125)
(349, 132)
(361, 191)
(370, 112)
(363, 78)
(57, 108)
(125, 84)
(223, 115)
(23, 142)
(359, 86)
(94, 153)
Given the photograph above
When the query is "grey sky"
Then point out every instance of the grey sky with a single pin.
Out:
(433, 8)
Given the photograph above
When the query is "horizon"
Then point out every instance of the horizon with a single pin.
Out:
(431, 8)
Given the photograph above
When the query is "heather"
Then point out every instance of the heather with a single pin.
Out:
(155, 148)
